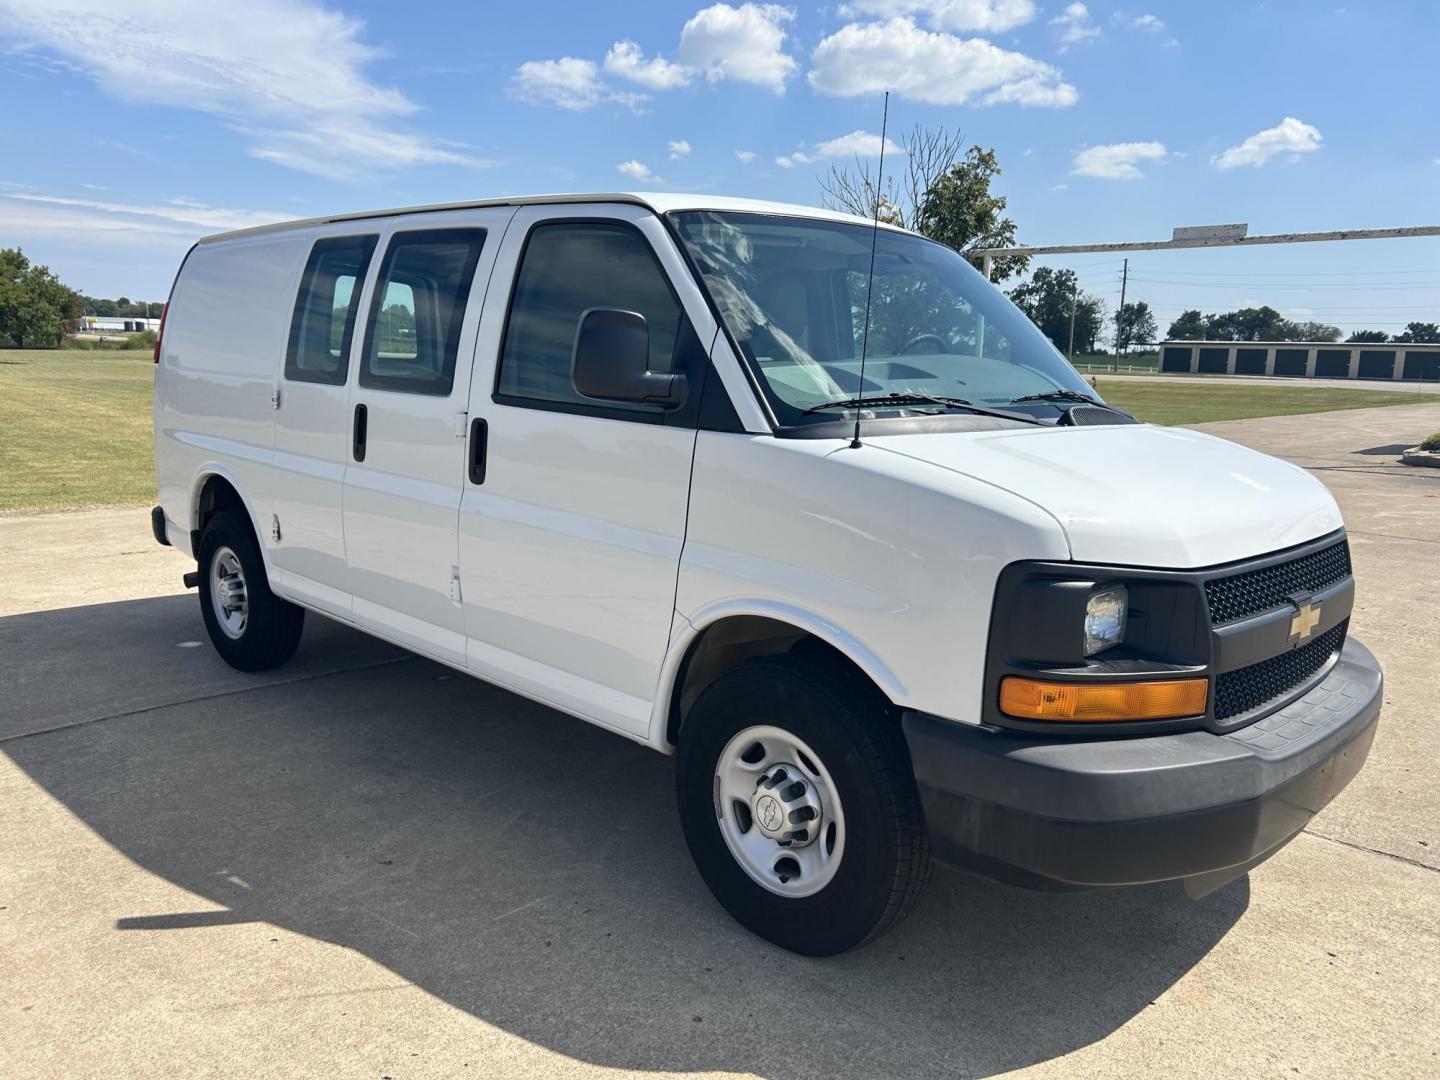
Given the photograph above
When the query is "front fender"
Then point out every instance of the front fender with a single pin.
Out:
(688, 630)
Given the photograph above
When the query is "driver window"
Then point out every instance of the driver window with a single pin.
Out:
(566, 269)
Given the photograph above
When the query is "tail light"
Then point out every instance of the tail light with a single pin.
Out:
(160, 334)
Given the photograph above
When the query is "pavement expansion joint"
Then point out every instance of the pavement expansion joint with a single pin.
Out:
(204, 697)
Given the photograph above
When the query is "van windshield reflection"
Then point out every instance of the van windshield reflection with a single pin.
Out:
(793, 291)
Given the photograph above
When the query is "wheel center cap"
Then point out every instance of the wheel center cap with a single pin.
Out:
(769, 813)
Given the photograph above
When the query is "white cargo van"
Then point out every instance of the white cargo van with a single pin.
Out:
(888, 587)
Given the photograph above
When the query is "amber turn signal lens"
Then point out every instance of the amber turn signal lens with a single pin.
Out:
(1031, 699)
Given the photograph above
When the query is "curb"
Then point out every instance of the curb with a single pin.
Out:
(1416, 456)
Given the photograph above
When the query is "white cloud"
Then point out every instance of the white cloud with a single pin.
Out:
(638, 170)
(569, 82)
(744, 43)
(679, 148)
(938, 69)
(625, 60)
(1061, 187)
(59, 222)
(178, 211)
(1075, 26)
(858, 144)
(289, 75)
(1145, 24)
(745, 156)
(1118, 161)
(720, 42)
(989, 16)
(1290, 136)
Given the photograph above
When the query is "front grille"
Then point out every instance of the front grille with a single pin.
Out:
(1254, 591)
(1248, 688)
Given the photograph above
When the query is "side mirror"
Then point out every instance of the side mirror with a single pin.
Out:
(611, 361)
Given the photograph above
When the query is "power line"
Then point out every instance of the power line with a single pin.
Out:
(1396, 287)
(1328, 273)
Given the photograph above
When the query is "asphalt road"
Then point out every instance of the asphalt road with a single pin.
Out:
(362, 865)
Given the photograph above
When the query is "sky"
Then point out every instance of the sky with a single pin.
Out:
(132, 127)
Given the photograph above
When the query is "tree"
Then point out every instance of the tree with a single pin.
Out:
(34, 304)
(1190, 326)
(1310, 331)
(1247, 324)
(1368, 337)
(1134, 323)
(1047, 297)
(944, 195)
(1419, 333)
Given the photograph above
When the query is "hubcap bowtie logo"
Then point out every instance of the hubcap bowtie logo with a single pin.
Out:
(769, 812)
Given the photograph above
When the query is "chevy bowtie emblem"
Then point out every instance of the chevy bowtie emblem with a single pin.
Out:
(1304, 621)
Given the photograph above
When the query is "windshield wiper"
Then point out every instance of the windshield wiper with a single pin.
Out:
(1058, 395)
(882, 400)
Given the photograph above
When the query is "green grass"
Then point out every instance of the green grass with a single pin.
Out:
(75, 424)
(1198, 402)
(75, 428)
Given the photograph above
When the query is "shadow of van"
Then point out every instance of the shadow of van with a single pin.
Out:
(528, 869)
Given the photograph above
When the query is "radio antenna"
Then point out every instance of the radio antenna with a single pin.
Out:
(870, 279)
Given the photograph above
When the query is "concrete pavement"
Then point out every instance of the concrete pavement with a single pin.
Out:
(363, 865)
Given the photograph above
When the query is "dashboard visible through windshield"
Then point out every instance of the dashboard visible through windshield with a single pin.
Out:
(793, 293)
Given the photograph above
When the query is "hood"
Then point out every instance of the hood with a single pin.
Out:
(1140, 495)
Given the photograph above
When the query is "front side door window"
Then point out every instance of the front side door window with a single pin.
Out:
(566, 269)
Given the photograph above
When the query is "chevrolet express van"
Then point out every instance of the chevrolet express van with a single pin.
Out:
(837, 528)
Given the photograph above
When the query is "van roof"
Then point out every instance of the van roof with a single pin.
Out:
(661, 203)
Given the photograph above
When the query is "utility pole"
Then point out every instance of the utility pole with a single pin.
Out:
(1074, 298)
(1120, 315)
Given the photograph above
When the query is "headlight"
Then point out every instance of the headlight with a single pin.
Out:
(1105, 618)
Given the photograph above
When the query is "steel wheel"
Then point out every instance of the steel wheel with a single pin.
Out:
(779, 811)
(227, 593)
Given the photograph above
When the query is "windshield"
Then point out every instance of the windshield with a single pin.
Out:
(792, 291)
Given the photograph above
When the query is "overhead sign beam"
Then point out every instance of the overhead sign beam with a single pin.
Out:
(1212, 232)
(1208, 239)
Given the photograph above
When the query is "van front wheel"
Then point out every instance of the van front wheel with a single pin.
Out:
(799, 804)
(251, 628)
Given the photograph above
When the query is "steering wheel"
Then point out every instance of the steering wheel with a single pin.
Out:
(938, 341)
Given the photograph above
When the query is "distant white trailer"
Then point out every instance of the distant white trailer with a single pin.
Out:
(116, 324)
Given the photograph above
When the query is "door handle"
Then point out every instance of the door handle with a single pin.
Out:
(358, 437)
(479, 432)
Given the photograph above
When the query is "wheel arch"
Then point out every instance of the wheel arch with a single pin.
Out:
(215, 488)
(721, 638)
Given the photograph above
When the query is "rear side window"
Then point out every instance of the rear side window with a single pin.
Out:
(419, 306)
(568, 268)
(324, 321)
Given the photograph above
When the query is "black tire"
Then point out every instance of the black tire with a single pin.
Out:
(837, 712)
(273, 626)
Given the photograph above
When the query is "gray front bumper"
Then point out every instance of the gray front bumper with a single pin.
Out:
(1078, 813)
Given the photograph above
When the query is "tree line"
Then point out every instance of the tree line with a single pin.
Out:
(1267, 324)
(122, 307)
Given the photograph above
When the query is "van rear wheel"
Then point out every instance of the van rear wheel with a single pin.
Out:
(251, 628)
(799, 805)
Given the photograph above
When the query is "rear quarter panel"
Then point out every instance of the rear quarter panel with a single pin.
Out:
(224, 342)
